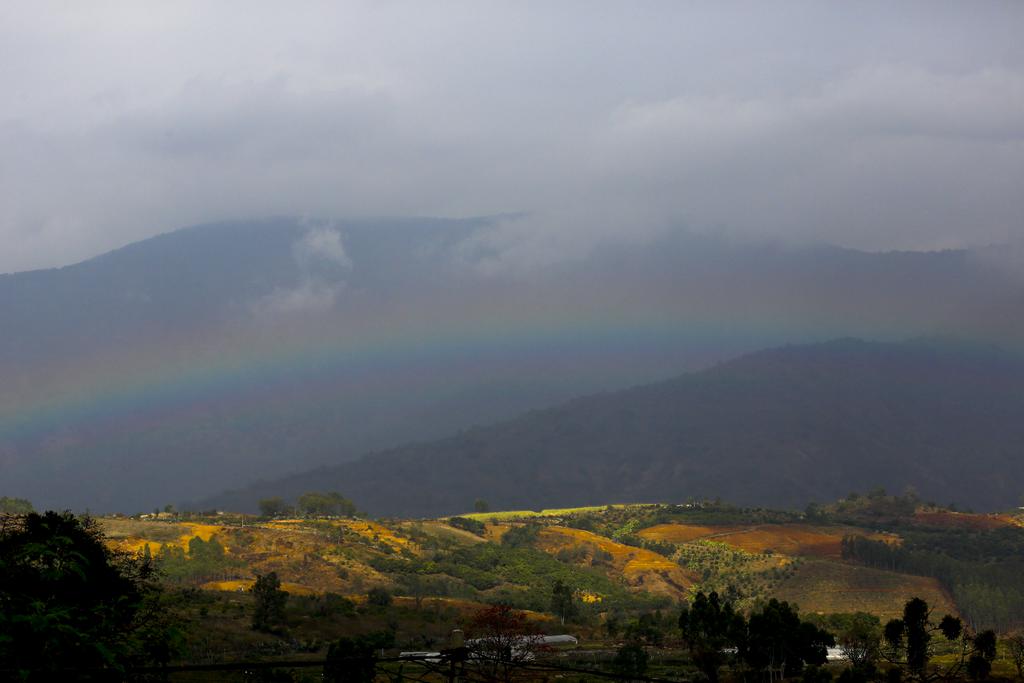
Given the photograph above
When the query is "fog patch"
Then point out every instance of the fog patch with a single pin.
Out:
(311, 296)
(323, 265)
(319, 246)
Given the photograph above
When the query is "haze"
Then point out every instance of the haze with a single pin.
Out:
(867, 125)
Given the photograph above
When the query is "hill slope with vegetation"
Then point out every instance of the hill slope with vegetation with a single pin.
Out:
(779, 428)
(616, 560)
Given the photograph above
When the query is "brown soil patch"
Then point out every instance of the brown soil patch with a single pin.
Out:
(962, 520)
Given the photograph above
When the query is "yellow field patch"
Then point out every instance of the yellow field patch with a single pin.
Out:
(136, 546)
(367, 529)
(376, 532)
(494, 532)
(133, 536)
(506, 515)
(245, 585)
(203, 531)
(642, 569)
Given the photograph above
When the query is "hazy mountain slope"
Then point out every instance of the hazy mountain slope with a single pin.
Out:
(779, 427)
(217, 355)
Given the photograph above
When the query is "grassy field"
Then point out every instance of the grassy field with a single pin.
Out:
(512, 515)
(827, 587)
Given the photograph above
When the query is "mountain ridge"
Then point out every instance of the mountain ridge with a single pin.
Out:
(215, 355)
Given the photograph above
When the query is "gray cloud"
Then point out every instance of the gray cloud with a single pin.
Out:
(868, 125)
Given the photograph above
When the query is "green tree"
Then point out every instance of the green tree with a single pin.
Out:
(68, 602)
(979, 663)
(481, 505)
(274, 507)
(648, 629)
(779, 642)
(563, 601)
(910, 644)
(631, 661)
(351, 660)
(709, 627)
(1015, 646)
(316, 504)
(268, 613)
(378, 597)
(15, 506)
(858, 635)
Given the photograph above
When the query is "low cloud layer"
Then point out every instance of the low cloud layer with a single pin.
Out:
(867, 125)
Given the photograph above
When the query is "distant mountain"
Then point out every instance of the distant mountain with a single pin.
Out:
(218, 355)
(781, 427)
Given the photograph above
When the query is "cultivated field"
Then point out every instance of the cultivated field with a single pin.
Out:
(787, 539)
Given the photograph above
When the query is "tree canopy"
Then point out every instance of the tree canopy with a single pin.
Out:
(67, 602)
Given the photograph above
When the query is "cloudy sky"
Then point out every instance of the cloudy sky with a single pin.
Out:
(871, 125)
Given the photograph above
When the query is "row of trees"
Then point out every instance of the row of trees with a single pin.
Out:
(773, 641)
(310, 504)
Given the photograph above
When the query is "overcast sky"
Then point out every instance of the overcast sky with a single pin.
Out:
(868, 125)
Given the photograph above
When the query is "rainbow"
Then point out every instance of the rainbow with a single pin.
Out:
(185, 375)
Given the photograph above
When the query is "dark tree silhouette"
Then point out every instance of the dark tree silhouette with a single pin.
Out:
(1015, 646)
(910, 645)
(781, 644)
(631, 661)
(378, 597)
(69, 602)
(315, 504)
(353, 659)
(563, 601)
(709, 627)
(979, 665)
(268, 614)
(274, 507)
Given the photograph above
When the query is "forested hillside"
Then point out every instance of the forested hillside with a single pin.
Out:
(782, 427)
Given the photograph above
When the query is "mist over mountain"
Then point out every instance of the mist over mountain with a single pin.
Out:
(218, 355)
(782, 427)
